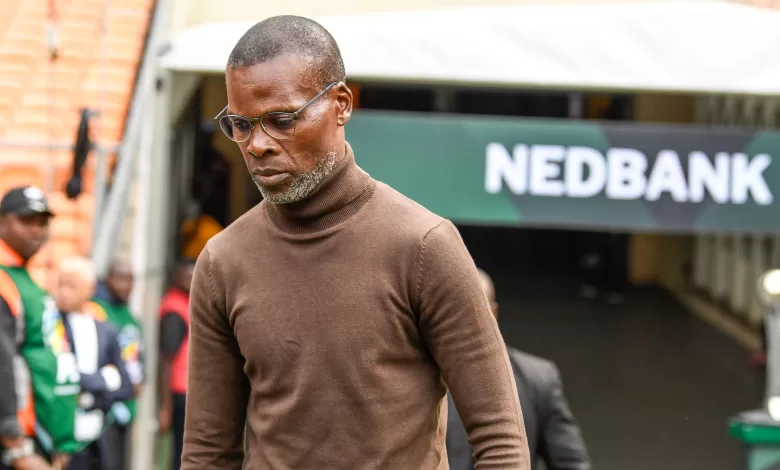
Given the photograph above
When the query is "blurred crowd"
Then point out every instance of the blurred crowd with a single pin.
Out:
(72, 360)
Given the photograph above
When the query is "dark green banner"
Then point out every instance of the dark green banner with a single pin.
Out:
(562, 173)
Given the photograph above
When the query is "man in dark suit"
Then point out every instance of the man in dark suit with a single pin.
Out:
(553, 434)
(103, 375)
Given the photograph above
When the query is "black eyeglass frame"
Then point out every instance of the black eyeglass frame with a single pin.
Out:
(294, 116)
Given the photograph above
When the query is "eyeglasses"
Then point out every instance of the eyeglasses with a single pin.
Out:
(279, 125)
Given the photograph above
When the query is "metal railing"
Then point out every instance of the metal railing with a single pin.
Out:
(135, 152)
(111, 218)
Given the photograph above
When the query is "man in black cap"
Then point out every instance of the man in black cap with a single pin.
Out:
(24, 229)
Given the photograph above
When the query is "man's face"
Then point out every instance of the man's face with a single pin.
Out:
(288, 170)
(72, 292)
(26, 234)
(120, 282)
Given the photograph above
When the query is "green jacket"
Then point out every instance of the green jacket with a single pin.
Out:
(53, 372)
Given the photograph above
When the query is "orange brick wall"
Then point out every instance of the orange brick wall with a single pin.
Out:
(98, 56)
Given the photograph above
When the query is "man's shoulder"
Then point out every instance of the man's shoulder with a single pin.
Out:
(236, 233)
(535, 369)
(408, 216)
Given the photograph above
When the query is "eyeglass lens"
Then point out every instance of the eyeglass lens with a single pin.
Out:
(277, 125)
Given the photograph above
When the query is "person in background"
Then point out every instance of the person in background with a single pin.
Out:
(39, 381)
(212, 187)
(103, 377)
(174, 351)
(197, 230)
(553, 434)
(604, 264)
(111, 304)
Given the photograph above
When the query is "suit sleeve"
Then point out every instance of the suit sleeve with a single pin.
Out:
(463, 338)
(104, 385)
(173, 331)
(562, 446)
(125, 391)
(217, 388)
(9, 422)
(10, 301)
(459, 452)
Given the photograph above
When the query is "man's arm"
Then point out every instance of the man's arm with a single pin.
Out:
(11, 435)
(562, 446)
(463, 338)
(111, 384)
(217, 388)
(10, 429)
(173, 330)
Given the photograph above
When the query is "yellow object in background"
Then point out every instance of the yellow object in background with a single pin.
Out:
(196, 233)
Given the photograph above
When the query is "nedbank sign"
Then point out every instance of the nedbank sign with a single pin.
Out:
(576, 174)
(625, 174)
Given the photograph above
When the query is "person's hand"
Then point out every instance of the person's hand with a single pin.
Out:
(33, 462)
(60, 461)
(164, 419)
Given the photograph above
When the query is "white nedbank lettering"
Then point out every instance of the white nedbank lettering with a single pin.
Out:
(624, 174)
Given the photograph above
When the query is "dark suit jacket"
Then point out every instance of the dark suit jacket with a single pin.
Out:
(107, 352)
(553, 434)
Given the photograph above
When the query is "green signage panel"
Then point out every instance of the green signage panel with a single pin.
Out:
(567, 173)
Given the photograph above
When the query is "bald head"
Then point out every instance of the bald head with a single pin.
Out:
(79, 267)
(76, 282)
(120, 266)
(284, 35)
(489, 289)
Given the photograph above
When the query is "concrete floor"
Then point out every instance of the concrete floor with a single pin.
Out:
(652, 385)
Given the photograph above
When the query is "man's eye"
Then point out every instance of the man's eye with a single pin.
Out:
(241, 125)
(280, 121)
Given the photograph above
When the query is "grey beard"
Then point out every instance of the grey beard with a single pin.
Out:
(302, 185)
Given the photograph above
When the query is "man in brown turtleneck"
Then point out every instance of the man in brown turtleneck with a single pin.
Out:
(332, 317)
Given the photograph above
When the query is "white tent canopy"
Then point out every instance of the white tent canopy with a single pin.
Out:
(694, 47)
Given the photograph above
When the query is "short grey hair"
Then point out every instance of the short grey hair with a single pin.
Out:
(80, 266)
(288, 34)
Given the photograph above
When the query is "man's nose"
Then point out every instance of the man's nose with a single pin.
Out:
(260, 143)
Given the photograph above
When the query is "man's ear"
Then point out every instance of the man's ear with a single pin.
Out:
(345, 101)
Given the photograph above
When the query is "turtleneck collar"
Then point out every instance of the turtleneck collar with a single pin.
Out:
(335, 200)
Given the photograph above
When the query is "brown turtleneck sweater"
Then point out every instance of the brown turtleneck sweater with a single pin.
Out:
(331, 326)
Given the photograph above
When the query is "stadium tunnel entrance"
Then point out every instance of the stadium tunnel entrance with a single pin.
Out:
(651, 385)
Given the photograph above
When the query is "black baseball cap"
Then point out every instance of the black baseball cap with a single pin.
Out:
(25, 200)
